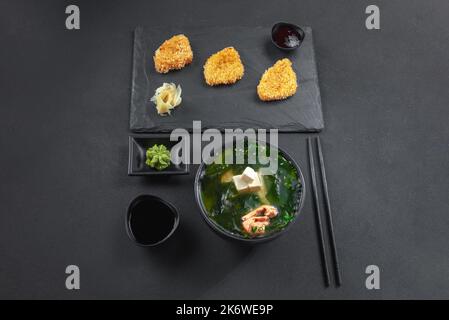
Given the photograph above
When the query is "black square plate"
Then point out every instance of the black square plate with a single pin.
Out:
(224, 107)
(138, 144)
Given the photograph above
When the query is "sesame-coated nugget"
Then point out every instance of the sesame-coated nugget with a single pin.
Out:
(278, 82)
(223, 67)
(175, 53)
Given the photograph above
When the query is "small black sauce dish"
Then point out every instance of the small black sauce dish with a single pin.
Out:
(138, 145)
(287, 36)
(150, 220)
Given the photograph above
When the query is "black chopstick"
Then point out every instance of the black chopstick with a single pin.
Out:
(329, 213)
(317, 213)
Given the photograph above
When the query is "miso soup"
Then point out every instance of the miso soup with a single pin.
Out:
(227, 200)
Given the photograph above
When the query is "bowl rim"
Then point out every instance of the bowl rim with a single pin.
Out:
(222, 231)
(300, 30)
(128, 219)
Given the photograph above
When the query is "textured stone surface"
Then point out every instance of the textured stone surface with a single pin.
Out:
(233, 106)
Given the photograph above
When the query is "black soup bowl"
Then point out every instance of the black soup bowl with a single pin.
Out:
(211, 207)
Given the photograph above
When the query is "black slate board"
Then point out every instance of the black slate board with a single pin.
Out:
(235, 106)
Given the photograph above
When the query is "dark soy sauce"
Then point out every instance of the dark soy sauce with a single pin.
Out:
(286, 36)
(150, 220)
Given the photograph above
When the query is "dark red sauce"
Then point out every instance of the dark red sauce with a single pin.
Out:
(286, 36)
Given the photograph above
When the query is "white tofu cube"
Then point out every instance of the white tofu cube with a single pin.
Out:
(249, 175)
(239, 183)
(255, 185)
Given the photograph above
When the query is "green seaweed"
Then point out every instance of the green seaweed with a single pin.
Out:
(226, 206)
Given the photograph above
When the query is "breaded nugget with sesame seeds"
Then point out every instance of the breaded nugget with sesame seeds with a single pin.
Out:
(278, 82)
(223, 67)
(175, 53)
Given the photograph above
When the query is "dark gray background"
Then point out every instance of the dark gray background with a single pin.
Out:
(64, 132)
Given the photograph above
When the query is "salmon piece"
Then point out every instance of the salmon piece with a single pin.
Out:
(264, 210)
(174, 54)
(278, 82)
(223, 67)
(254, 222)
(250, 215)
(253, 227)
(271, 212)
(260, 219)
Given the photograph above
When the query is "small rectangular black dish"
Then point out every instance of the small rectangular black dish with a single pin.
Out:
(138, 145)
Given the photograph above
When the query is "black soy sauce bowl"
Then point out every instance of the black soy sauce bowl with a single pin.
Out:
(161, 228)
(295, 30)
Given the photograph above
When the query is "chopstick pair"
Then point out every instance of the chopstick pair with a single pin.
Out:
(316, 201)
